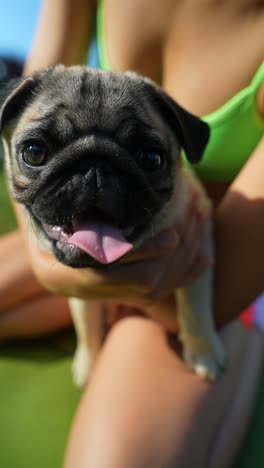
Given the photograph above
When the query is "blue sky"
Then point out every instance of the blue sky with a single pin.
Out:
(17, 22)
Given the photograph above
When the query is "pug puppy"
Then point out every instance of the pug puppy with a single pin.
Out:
(95, 159)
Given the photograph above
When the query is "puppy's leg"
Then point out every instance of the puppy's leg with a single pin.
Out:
(89, 321)
(82, 357)
(203, 349)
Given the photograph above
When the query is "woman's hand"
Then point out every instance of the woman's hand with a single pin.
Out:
(164, 263)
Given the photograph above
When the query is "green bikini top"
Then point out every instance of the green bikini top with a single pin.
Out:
(235, 128)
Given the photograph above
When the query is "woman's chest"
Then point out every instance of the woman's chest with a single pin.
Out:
(202, 56)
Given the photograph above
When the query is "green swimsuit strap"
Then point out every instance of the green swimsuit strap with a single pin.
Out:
(234, 102)
(103, 57)
(236, 129)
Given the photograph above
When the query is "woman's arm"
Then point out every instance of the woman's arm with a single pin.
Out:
(62, 34)
(18, 284)
(239, 222)
(145, 278)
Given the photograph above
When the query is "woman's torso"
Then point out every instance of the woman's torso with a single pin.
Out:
(202, 53)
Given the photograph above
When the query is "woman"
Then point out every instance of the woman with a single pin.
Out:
(202, 54)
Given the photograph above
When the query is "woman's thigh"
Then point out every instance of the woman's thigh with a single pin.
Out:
(144, 407)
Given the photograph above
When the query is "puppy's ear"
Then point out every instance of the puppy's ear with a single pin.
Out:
(14, 97)
(191, 131)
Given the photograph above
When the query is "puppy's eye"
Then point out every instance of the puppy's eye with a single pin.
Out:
(35, 155)
(151, 161)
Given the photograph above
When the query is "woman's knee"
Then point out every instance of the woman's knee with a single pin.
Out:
(135, 332)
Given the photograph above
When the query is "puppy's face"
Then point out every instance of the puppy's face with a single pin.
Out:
(93, 157)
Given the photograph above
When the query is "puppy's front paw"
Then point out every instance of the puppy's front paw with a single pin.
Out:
(81, 365)
(207, 363)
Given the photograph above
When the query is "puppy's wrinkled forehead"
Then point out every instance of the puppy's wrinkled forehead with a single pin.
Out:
(62, 104)
(72, 102)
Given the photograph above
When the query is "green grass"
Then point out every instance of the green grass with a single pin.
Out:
(37, 397)
(7, 217)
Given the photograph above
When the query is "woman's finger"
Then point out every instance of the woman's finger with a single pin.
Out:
(165, 242)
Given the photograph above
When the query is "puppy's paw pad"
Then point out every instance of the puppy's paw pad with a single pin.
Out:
(81, 366)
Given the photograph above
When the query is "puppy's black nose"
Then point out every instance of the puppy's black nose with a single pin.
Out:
(92, 178)
(95, 163)
(102, 189)
(96, 177)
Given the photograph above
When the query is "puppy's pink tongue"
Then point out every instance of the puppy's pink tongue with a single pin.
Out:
(103, 242)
